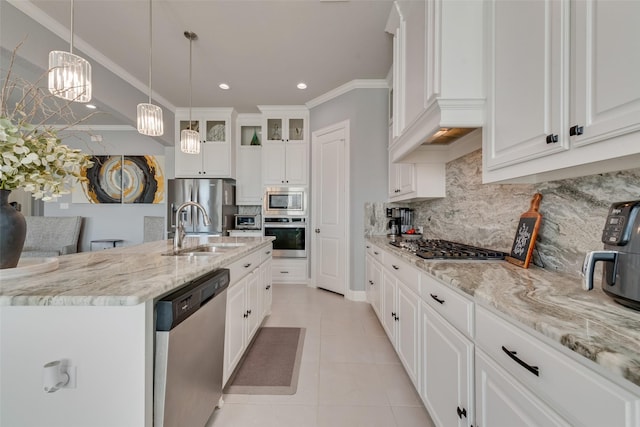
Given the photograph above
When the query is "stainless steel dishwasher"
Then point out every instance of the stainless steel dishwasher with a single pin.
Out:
(190, 351)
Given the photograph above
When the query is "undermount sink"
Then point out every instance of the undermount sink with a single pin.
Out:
(210, 249)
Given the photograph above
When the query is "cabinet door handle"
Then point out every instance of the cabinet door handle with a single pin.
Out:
(376, 253)
(551, 139)
(268, 287)
(268, 253)
(317, 230)
(435, 297)
(393, 314)
(371, 282)
(576, 130)
(461, 412)
(248, 311)
(247, 265)
(395, 267)
(246, 315)
(512, 354)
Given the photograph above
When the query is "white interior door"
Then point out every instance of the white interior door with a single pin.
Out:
(330, 208)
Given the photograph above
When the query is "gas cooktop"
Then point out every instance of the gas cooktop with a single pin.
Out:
(444, 249)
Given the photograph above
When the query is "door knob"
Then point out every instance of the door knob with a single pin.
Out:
(317, 230)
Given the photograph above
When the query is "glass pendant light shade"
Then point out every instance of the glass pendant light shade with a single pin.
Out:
(150, 120)
(69, 76)
(150, 116)
(190, 141)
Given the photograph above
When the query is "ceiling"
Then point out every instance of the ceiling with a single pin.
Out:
(261, 48)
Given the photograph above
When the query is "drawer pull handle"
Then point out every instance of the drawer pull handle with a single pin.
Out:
(512, 354)
(461, 412)
(247, 265)
(435, 297)
(376, 253)
(268, 252)
(395, 267)
(284, 272)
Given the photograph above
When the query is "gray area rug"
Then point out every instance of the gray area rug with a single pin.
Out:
(271, 365)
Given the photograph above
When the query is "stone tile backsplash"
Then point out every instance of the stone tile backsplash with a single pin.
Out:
(574, 211)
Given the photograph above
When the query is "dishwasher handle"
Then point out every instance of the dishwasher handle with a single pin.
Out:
(179, 305)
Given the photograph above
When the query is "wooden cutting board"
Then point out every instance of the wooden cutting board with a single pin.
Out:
(526, 234)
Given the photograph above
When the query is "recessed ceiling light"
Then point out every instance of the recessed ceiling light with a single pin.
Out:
(302, 85)
(93, 107)
(223, 86)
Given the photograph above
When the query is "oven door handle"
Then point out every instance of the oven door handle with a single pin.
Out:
(285, 226)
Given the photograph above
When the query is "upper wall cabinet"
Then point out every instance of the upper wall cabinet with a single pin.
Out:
(285, 150)
(249, 156)
(217, 152)
(563, 94)
(437, 71)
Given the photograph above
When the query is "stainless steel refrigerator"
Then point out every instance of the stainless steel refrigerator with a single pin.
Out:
(217, 196)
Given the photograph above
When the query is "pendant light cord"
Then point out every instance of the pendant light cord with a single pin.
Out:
(190, 82)
(150, 44)
(71, 41)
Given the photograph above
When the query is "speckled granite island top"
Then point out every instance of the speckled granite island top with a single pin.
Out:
(122, 276)
(554, 304)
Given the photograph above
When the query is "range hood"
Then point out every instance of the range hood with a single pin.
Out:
(437, 74)
(443, 126)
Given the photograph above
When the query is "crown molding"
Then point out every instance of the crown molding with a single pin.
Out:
(341, 90)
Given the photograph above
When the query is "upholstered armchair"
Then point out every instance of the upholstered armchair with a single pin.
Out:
(51, 235)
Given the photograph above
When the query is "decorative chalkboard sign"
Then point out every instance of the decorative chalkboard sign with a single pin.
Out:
(526, 234)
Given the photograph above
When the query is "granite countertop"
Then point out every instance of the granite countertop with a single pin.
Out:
(121, 276)
(554, 304)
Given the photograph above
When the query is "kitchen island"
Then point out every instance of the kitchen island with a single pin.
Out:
(96, 314)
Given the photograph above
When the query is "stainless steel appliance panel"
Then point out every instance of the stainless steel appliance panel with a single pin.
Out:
(217, 196)
(290, 201)
(190, 352)
(291, 236)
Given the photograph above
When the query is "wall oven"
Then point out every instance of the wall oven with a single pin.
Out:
(290, 234)
(285, 201)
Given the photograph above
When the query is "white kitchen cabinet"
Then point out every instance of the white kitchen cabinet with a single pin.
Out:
(400, 314)
(374, 278)
(579, 395)
(285, 163)
(266, 285)
(438, 79)
(569, 82)
(503, 402)
(249, 160)
(447, 372)
(217, 153)
(290, 270)
(246, 306)
(285, 148)
(416, 181)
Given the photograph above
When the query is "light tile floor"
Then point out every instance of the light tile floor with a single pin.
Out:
(350, 375)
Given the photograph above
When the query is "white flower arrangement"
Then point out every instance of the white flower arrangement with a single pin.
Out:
(32, 156)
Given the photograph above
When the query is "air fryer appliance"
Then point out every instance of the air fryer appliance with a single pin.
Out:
(217, 196)
(621, 255)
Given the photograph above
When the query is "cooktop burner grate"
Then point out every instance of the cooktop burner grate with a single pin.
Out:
(444, 249)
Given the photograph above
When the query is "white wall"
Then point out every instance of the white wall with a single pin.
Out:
(112, 221)
(366, 109)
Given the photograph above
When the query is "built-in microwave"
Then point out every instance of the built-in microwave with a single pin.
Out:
(285, 201)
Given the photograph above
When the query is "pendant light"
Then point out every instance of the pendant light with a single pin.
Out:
(150, 116)
(69, 74)
(190, 139)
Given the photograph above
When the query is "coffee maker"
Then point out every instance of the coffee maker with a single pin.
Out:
(621, 255)
(394, 223)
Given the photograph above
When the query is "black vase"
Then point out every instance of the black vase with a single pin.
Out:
(13, 229)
